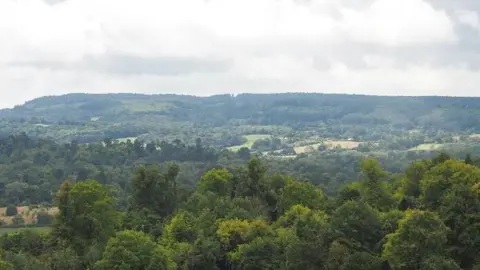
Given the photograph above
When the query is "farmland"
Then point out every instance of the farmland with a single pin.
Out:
(28, 213)
(251, 139)
(126, 139)
(427, 147)
(329, 144)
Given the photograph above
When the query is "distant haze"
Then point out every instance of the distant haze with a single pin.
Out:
(205, 47)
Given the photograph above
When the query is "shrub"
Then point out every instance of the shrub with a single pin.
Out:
(11, 211)
(18, 220)
(43, 218)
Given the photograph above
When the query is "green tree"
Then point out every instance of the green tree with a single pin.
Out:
(248, 183)
(133, 250)
(43, 218)
(348, 193)
(232, 233)
(5, 265)
(155, 191)
(217, 181)
(261, 253)
(374, 190)
(451, 190)
(18, 220)
(469, 160)
(357, 224)
(420, 235)
(87, 215)
(11, 211)
(64, 259)
(338, 253)
(439, 263)
(362, 260)
(303, 193)
(309, 250)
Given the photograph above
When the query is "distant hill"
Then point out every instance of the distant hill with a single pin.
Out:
(221, 119)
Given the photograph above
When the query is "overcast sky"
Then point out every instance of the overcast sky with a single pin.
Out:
(204, 47)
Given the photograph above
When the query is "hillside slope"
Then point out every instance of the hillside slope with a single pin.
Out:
(88, 117)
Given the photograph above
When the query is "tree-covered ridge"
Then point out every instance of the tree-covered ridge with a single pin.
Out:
(222, 120)
(31, 170)
(425, 218)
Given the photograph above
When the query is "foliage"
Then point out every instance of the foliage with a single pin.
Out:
(87, 216)
(249, 216)
(420, 235)
(18, 220)
(133, 250)
(11, 211)
(43, 218)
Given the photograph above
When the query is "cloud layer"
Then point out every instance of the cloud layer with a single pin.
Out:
(204, 47)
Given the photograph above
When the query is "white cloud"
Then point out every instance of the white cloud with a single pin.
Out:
(399, 23)
(469, 18)
(254, 46)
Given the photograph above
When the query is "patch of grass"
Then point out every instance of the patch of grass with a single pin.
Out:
(427, 147)
(251, 139)
(35, 229)
(307, 148)
(29, 213)
(475, 136)
(124, 140)
(343, 144)
(287, 156)
(328, 144)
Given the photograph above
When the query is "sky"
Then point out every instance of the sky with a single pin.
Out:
(206, 47)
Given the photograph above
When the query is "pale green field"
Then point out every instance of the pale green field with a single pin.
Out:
(427, 147)
(328, 144)
(41, 125)
(251, 139)
(287, 156)
(305, 148)
(124, 140)
(35, 229)
(475, 136)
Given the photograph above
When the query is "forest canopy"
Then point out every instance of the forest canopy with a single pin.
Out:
(426, 218)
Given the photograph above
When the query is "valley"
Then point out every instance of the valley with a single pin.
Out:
(182, 177)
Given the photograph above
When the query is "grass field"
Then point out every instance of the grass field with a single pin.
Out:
(475, 136)
(427, 147)
(251, 139)
(35, 229)
(124, 140)
(329, 144)
(307, 148)
(28, 213)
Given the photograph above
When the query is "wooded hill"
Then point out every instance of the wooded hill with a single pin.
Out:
(222, 120)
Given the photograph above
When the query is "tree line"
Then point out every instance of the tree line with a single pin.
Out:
(31, 170)
(244, 218)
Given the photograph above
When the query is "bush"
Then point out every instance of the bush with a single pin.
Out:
(11, 211)
(43, 218)
(18, 220)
